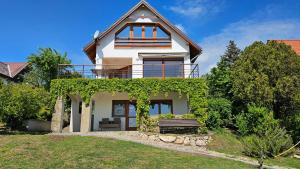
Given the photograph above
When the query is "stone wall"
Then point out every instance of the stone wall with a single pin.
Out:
(187, 140)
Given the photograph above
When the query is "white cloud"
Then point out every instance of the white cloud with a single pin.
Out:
(244, 33)
(197, 8)
(181, 27)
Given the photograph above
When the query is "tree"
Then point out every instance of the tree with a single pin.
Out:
(268, 75)
(19, 102)
(255, 121)
(271, 143)
(219, 79)
(44, 67)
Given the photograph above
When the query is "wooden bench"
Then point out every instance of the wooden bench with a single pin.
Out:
(178, 125)
(106, 124)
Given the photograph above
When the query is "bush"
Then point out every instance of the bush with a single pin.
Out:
(166, 116)
(222, 107)
(274, 141)
(214, 120)
(20, 102)
(1, 83)
(255, 121)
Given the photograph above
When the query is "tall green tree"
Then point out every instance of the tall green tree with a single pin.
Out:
(44, 67)
(219, 79)
(268, 75)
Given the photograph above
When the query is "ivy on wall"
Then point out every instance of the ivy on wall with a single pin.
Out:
(139, 89)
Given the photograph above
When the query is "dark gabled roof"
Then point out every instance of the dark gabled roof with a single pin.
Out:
(11, 69)
(90, 48)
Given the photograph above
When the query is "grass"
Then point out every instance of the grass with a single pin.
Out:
(225, 141)
(43, 151)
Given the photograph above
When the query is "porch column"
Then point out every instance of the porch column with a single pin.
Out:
(86, 115)
(57, 116)
(75, 116)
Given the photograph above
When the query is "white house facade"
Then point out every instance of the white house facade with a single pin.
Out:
(141, 44)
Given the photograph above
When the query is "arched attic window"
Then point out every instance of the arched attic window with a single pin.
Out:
(142, 35)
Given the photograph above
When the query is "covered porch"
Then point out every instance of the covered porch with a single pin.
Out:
(113, 111)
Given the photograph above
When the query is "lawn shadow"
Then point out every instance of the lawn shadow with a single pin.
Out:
(7, 131)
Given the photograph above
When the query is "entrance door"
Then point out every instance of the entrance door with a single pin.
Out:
(127, 109)
(131, 116)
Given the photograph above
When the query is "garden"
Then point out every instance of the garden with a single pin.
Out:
(250, 101)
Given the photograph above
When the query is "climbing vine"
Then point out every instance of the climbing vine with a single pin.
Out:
(138, 89)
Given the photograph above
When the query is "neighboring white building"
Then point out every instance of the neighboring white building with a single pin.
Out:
(141, 44)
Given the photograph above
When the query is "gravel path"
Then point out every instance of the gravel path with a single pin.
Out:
(133, 136)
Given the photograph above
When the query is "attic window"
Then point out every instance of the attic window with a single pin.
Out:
(143, 34)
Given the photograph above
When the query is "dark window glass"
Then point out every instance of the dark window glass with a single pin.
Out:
(160, 107)
(173, 68)
(154, 109)
(152, 68)
(165, 108)
(118, 109)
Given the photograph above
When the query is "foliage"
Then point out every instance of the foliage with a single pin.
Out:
(255, 121)
(44, 67)
(214, 120)
(187, 116)
(1, 83)
(220, 109)
(219, 80)
(268, 75)
(167, 116)
(139, 89)
(19, 102)
(274, 141)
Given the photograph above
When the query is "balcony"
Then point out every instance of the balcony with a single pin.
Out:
(143, 42)
(109, 71)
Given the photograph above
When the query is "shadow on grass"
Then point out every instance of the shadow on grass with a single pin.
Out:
(7, 131)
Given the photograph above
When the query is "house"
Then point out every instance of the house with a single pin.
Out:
(141, 44)
(12, 71)
(295, 44)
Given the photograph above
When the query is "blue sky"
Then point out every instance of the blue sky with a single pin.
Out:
(67, 25)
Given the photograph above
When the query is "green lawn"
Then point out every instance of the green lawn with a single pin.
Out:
(226, 142)
(37, 151)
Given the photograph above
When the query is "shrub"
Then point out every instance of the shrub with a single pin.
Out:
(187, 116)
(167, 116)
(255, 121)
(274, 141)
(1, 83)
(222, 107)
(214, 120)
(22, 102)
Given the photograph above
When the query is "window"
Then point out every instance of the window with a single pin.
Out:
(143, 30)
(161, 33)
(124, 33)
(171, 67)
(160, 107)
(119, 109)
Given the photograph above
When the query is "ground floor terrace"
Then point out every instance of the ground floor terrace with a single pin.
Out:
(107, 111)
(123, 104)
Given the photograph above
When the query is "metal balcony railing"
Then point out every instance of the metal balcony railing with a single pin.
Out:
(128, 71)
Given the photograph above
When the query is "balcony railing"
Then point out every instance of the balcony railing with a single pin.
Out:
(129, 71)
(143, 42)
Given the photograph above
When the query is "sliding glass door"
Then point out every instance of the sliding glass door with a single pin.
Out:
(158, 67)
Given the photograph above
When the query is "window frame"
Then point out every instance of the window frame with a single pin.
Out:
(143, 25)
(113, 107)
(159, 107)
